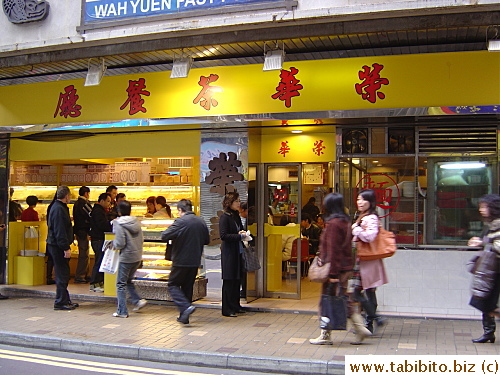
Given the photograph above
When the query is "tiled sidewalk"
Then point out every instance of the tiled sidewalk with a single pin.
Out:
(250, 336)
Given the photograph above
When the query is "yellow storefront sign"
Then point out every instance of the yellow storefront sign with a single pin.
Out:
(425, 80)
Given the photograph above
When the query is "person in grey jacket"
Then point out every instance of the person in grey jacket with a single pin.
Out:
(129, 240)
(189, 234)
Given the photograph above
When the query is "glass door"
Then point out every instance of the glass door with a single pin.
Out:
(250, 284)
(281, 213)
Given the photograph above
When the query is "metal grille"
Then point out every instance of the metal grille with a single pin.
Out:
(176, 162)
(470, 139)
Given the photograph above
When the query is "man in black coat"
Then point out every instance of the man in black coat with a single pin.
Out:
(81, 229)
(59, 239)
(189, 234)
(99, 225)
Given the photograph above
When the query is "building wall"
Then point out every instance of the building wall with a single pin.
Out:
(427, 282)
(60, 28)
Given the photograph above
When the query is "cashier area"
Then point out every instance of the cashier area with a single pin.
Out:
(33, 188)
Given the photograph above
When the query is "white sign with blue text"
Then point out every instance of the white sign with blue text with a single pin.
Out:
(113, 10)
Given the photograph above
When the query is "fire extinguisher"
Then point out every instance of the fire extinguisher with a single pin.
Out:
(292, 210)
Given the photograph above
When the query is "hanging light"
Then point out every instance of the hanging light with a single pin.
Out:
(95, 72)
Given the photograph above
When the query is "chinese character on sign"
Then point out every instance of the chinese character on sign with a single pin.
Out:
(318, 147)
(372, 82)
(380, 183)
(67, 103)
(284, 122)
(224, 172)
(284, 149)
(214, 230)
(135, 90)
(288, 87)
(205, 97)
(318, 121)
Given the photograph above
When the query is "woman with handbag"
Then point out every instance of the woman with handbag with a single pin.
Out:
(489, 208)
(232, 235)
(335, 248)
(372, 272)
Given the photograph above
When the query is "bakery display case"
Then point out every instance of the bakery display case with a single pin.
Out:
(152, 277)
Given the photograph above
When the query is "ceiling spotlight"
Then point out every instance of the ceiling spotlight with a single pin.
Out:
(274, 58)
(181, 67)
(96, 70)
(297, 131)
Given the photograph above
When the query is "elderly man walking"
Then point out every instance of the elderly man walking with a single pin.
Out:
(189, 234)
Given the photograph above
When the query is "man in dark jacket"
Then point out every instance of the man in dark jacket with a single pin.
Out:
(81, 229)
(99, 225)
(189, 234)
(310, 231)
(59, 239)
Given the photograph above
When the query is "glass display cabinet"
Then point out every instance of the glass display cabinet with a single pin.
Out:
(454, 189)
(152, 277)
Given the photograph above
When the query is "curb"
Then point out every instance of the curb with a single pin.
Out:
(184, 357)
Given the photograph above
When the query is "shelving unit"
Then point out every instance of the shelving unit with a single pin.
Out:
(407, 222)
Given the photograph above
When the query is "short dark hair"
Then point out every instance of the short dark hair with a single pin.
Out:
(306, 216)
(62, 192)
(244, 206)
(110, 188)
(31, 200)
(124, 208)
(229, 199)
(83, 190)
(185, 205)
(103, 197)
(120, 195)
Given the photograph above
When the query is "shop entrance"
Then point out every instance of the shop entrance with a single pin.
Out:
(287, 188)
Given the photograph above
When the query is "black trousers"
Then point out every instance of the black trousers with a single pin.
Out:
(230, 296)
(97, 277)
(61, 265)
(368, 301)
(180, 286)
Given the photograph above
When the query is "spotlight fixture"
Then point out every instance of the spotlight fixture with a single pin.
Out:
(274, 58)
(181, 67)
(296, 131)
(96, 70)
(493, 41)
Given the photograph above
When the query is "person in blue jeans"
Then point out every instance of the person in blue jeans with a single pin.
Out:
(129, 240)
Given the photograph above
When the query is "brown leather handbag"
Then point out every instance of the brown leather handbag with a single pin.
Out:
(384, 246)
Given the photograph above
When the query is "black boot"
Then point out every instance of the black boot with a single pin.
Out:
(489, 327)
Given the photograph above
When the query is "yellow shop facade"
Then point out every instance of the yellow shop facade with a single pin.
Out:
(392, 123)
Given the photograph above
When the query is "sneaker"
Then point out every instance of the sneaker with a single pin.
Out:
(98, 289)
(81, 281)
(139, 305)
(116, 315)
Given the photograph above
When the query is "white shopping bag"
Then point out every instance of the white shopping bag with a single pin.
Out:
(110, 259)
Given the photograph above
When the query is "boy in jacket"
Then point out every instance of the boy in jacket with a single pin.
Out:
(129, 240)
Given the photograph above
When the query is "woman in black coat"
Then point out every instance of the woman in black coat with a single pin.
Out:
(231, 234)
(489, 208)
